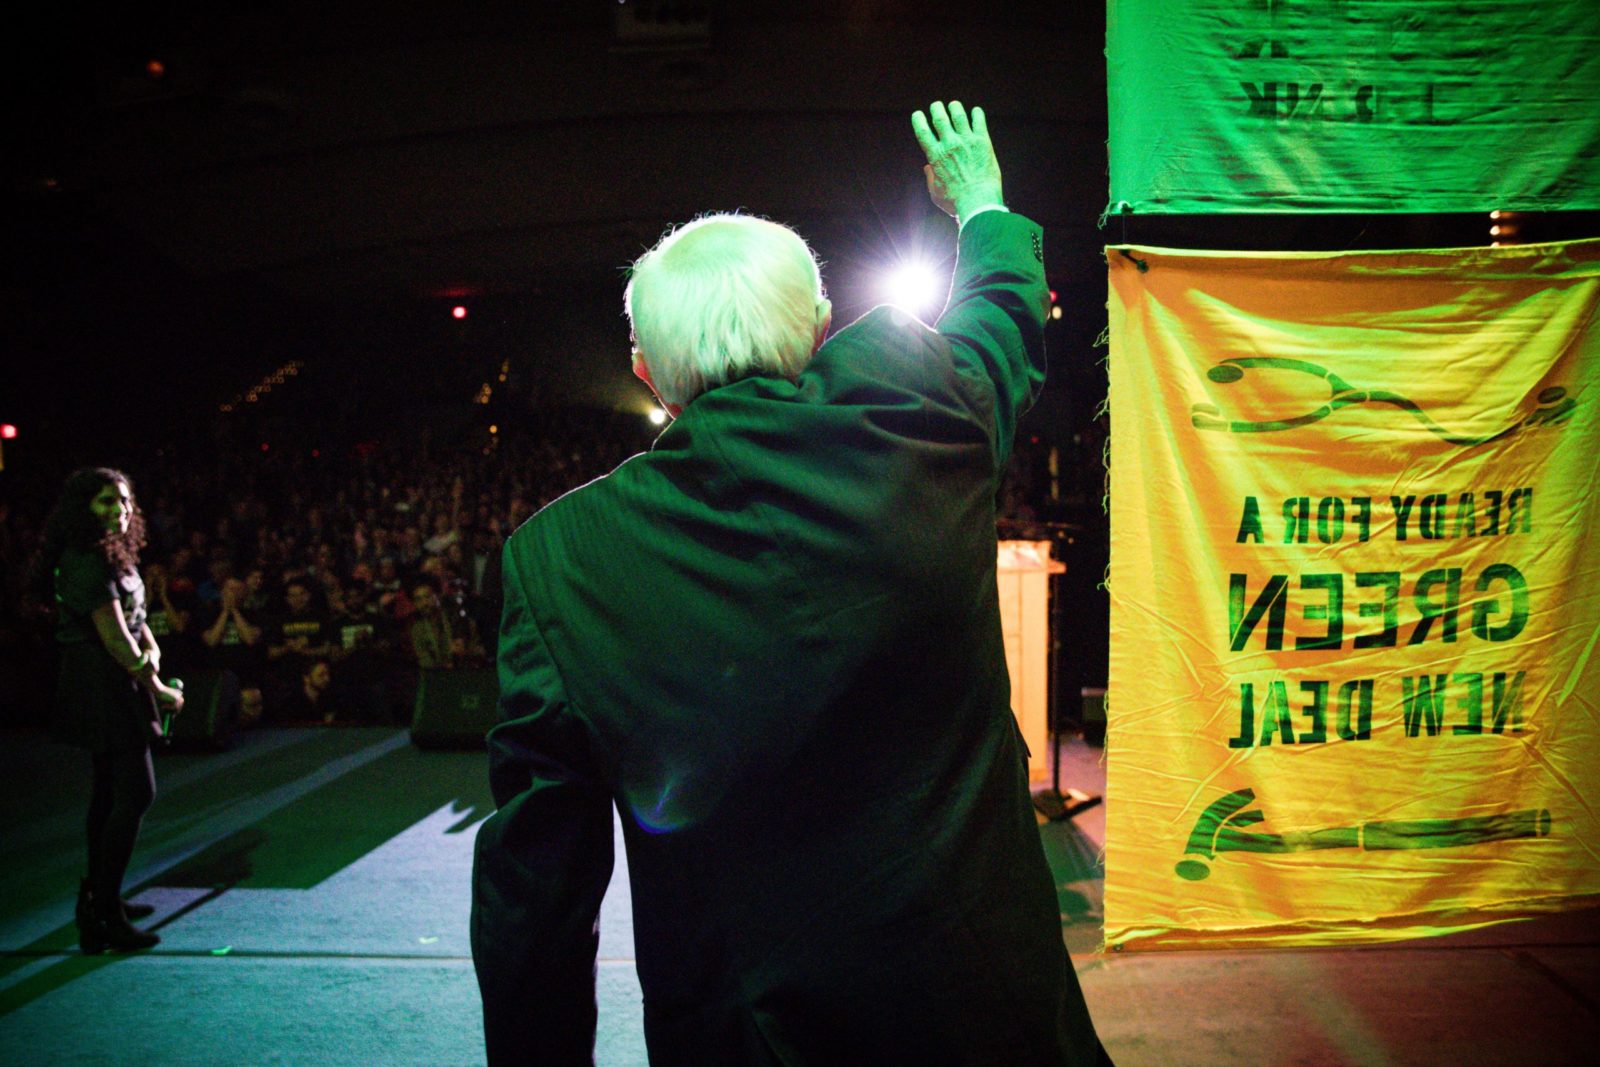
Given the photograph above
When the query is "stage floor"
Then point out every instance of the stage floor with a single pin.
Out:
(311, 889)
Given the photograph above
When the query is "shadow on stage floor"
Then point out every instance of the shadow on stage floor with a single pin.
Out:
(311, 888)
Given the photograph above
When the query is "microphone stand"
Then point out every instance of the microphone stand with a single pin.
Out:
(1056, 804)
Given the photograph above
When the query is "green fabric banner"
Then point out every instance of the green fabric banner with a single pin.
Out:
(1353, 105)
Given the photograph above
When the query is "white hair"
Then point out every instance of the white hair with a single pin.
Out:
(722, 298)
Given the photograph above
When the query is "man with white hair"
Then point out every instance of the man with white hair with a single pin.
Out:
(722, 298)
(773, 642)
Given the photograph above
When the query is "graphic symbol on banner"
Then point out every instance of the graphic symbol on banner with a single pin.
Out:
(1555, 406)
(1218, 830)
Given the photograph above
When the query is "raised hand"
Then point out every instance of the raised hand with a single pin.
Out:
(962, 171)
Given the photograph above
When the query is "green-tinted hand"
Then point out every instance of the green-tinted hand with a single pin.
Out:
(962, 171)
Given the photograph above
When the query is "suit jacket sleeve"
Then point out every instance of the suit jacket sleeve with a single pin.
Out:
(995, 319)
(542, 861)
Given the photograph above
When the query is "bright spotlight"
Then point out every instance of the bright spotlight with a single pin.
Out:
(914, 286)
(657, 416)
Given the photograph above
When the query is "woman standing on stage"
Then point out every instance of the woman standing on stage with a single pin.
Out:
(107, 696)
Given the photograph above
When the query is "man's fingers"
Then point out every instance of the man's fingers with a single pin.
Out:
(958, 118)
(925, 137)
(944, 124)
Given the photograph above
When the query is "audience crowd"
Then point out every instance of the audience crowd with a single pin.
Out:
(326, 582)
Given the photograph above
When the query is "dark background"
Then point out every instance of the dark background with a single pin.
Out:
(318, 183)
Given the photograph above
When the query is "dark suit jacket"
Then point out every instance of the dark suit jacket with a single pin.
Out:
(774, 642)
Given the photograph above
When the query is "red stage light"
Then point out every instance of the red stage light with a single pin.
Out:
(7, 431)
(155, 68)
(459, 312)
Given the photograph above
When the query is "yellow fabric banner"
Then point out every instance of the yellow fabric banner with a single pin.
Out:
(1355, 593)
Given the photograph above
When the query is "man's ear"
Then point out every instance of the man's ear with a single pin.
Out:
(824, 320)
(641, 371)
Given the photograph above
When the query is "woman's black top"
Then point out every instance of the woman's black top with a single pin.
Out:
(99, 705)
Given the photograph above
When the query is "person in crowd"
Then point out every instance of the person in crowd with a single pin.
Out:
(218, 571)
(308, 700)
(302, 630)
(464, 624)
(294, 562)
(314, 526)
(382, 544)
(324, 569)
(482, 562)
(257, 600)
(165, 526)
(483, 583)
(445, 534)
(434, 644)
(171, 618)
(435, 569)
(110, 694)
(296, 637)
(368, 663)
(269, 548)
(234, 639)
(360, 549)
(793, 591)
(199, 565)
(224, 543)
(189, 565)
(387, 584)
(454, 567)
(410, 546)
(517, 512)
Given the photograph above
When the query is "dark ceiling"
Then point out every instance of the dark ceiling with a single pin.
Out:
(500, 147)
(200, 190)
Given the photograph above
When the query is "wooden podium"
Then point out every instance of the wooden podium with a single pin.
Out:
(1025, 568)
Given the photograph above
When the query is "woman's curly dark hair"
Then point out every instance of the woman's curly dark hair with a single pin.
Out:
(73, 525)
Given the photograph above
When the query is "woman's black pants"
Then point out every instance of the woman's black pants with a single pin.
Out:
(124, 787)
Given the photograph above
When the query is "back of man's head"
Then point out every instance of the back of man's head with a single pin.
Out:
(722, 298)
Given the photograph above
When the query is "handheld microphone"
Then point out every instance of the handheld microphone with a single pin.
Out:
(166, 716)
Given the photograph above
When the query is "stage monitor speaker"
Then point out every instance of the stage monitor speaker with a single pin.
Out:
(210, 710)
(455, 708)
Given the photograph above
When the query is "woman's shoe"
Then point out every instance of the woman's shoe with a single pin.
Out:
(120, 935)
(91, 934)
